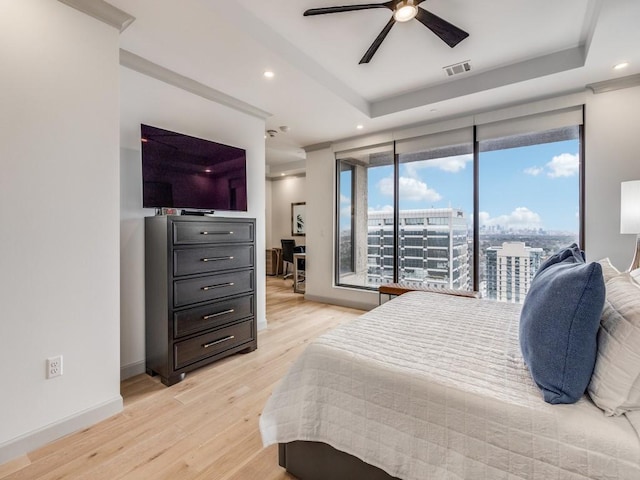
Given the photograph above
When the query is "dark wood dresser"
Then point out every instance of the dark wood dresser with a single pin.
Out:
(200, 292)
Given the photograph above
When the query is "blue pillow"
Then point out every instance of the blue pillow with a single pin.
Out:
(572, 250)
(559, 325)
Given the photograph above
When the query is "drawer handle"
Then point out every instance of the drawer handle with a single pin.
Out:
(216, 233)
(225, 339)
(210, 287)
(215, 259)
(213, 315)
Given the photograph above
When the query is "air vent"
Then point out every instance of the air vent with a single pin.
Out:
(457, 68)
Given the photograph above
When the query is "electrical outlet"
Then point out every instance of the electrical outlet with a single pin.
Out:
(54, 366)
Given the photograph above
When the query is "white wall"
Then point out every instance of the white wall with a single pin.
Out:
(268, 205)
(152, 102)
(59, 248)
(612, 155)
(284, 192)
(320, 236)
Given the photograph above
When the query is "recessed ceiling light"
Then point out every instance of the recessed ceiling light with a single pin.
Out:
(208, 170)
(282, 174)
(269, 74)
(620, 66)
(359, 127)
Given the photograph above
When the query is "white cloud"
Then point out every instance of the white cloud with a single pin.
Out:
(386, 186)
(563, 165)
(484, 218)
(451, 164)
(384, 209)
(410, 189)
(520, 218)
(535, 171)
(448, 164)
(345, 206)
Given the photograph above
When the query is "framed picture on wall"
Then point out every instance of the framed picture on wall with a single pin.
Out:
(298, 219)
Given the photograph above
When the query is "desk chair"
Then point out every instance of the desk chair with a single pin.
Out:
(299, 270)
(287, 255)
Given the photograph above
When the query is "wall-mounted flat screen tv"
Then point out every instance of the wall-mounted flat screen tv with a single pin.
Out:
(180, 171)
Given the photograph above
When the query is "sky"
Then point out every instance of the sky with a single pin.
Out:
(533, 187)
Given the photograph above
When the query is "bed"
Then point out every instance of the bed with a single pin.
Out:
(432, 386)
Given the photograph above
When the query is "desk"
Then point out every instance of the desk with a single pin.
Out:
(278, 251)
(299, 275)
(274, 261)
(271, 265)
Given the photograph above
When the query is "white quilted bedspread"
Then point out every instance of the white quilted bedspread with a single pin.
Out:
(431, 386)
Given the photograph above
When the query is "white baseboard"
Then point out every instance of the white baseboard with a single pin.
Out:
(131, 370)
(262, 324)
(38, 438)
(340, 302)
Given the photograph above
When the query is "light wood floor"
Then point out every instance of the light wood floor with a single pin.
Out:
(205, 427)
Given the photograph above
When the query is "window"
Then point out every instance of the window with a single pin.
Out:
(366, 222)
(435, 185)
(443, 210)
(529, 206)
(346, 242)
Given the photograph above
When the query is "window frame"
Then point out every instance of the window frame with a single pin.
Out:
(338, 209)
(475, 254)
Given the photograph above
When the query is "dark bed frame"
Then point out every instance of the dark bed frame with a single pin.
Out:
(319, 461)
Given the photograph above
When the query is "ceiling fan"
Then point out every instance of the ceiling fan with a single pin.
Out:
(403, 11)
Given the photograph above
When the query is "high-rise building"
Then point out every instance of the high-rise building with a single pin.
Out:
(433, 248)
(510, 269)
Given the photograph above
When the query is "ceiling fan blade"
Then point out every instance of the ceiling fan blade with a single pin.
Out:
(347, 8)
(450, 34)
(376, 43)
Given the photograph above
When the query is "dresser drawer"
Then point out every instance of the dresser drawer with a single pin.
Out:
(211, 316)
(212, 343)
(211, 287)
(189, 233)
(211, 259)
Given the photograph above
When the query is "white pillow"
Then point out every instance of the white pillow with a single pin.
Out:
(615, 383)
(608, 270)
(635, 274)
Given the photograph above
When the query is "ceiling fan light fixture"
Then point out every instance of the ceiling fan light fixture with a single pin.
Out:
(405, 11)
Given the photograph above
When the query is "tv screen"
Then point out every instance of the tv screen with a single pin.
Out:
(180, 171)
